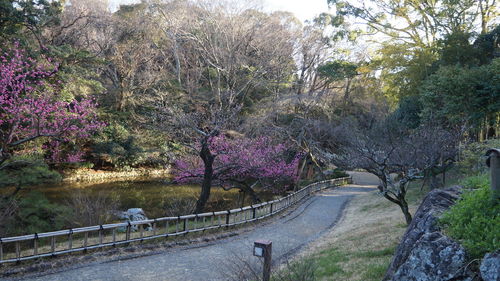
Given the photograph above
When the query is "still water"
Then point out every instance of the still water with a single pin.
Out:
(156, 197)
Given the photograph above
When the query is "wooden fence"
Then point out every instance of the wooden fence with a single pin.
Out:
(25, 247)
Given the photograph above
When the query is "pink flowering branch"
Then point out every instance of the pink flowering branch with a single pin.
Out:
(30, 108)
(243, 161)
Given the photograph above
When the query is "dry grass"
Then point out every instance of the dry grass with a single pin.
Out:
(361, 246)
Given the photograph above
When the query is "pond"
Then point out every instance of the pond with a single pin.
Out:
(156, 197)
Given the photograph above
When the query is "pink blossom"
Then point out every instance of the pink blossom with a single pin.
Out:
(244, 160)
(30, 109)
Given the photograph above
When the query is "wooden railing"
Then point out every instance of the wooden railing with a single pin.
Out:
(25, 247)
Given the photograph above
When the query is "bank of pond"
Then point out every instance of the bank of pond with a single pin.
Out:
(63, 205)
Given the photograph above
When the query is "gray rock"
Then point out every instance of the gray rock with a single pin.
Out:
(134, 214)
(424, 222)
(490, 267)
(434, 257)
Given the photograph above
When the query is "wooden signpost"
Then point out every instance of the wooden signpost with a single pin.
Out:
(493, 162)
(263, 249)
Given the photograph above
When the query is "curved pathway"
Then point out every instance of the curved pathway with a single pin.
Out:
(214, 260)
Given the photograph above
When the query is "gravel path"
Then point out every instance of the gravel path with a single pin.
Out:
(209, 261)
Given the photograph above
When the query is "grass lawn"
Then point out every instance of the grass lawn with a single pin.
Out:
(361, 246)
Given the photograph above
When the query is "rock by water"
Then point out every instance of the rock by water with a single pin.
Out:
(135, 214)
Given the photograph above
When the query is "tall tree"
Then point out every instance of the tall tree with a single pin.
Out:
(456, 94)
(409, 32)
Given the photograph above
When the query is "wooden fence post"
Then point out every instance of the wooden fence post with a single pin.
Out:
(264, 248)
(35, 245)
(85, 240)
(53, 244)
(127, 234)
(70, 239)
(493, 162)
(101, 234)
(227, 218)
(18, 250)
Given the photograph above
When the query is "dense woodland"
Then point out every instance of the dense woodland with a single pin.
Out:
(389, 86)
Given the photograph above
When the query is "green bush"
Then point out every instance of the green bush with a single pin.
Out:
(474, 220)
(337, 173)
(476, 182)
(472, 159)
(118, 146)
(21, 171)
(36, 214)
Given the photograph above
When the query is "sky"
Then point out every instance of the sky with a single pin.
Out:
(303, 9)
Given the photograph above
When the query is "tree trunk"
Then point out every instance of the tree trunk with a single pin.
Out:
(241, 198)
(301, 82)
(346, 96)
(404, 208)
(435, 183)
(301, 171)
(206, 185)
(398, 199)
(122, 100)
(252, 193)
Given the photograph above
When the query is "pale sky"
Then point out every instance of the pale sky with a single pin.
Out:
(303, 9)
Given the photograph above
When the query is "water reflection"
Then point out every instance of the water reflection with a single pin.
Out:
(157, 197)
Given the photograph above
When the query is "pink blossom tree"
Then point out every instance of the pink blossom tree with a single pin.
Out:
(31, 108)
(241, 163)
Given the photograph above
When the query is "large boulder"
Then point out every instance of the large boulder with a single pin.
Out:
(434, 257)
(134, 214)
(490, 267)
(423, 250)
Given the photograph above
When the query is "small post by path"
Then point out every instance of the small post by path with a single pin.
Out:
(493, 162)
(264, 248)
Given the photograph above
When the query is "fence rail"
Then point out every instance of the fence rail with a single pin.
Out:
(25, 247)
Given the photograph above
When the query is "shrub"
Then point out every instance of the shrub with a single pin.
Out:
(336, 173)
(21, 171)
(180, 206)
(91, 208)
(474, 220)
(8, 209)
(297, 271)
(476, 182)
(119, 147)
(472, 159)
(36, 214)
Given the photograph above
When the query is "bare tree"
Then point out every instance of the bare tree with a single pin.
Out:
(91, 209)
(395, 155)
(219, 53)
(221, 58)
